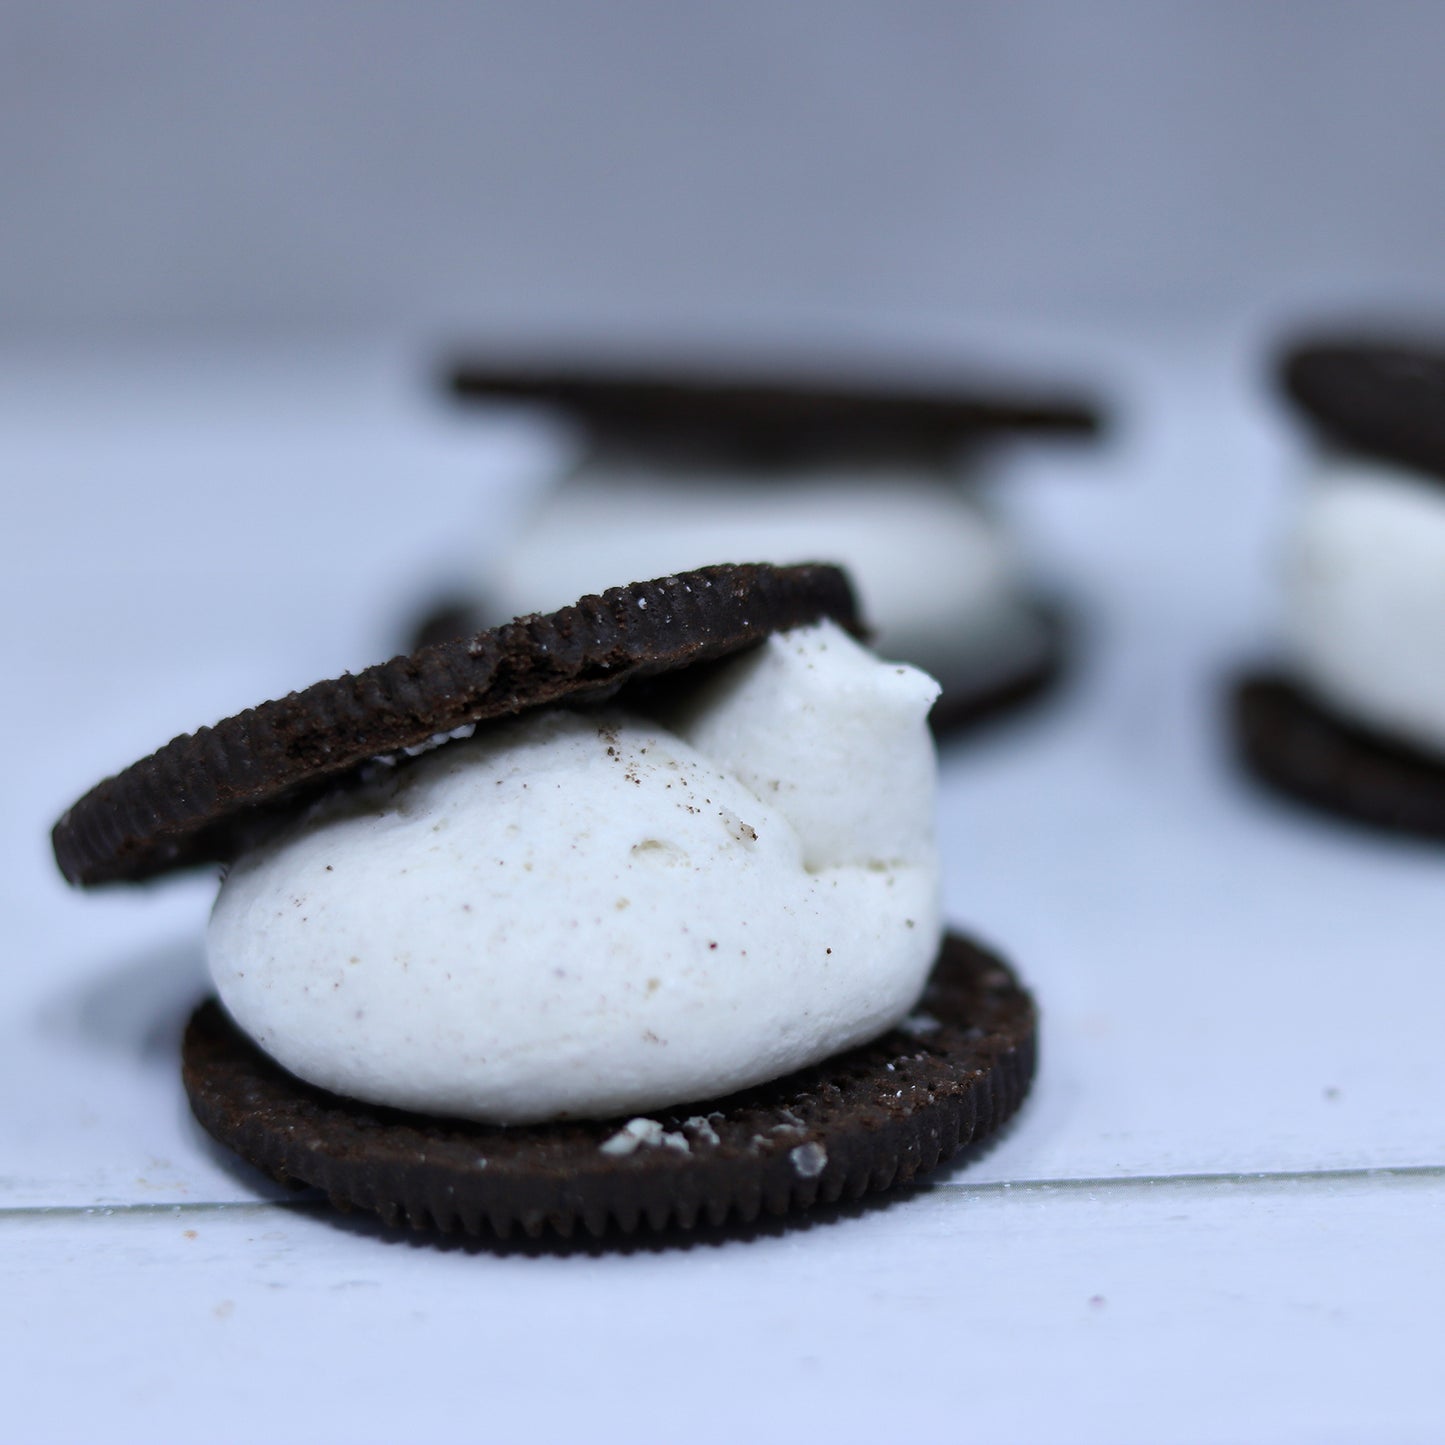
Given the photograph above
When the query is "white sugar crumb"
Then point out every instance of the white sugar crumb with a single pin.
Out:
(436, 740)
(636, 1133)
(631, 1136)
(809, 1160)
(791, 1124)
(743, 832)
(704, 1131)
(920, 1023)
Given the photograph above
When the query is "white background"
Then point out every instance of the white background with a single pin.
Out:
(230, 242)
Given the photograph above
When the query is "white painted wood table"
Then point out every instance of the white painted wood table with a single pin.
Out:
(1218, 1219)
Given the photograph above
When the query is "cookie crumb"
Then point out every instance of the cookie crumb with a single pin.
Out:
(704, 1131)
(809, 1160)
(743, 832)
(631, 1136)
(637, 1133)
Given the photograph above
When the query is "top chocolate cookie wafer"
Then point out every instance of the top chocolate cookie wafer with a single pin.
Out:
(1383, 397)
(772, 414)
(204, 795)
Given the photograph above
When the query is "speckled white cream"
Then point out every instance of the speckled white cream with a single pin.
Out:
(589, 914)
(1365, 597)
(936, 575)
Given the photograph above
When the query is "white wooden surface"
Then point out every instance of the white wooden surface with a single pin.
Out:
(1219, 1218)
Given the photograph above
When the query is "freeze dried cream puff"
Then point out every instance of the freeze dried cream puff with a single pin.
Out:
(625, 914)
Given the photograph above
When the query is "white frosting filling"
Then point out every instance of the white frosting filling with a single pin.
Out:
(1365, 597)
(588, 914)
(936, 575)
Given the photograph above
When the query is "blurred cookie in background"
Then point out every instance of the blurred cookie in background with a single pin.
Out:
(683, 465)
(1350, 717)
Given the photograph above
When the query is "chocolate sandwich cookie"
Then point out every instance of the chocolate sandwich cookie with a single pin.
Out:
(870, 1119)
(770, 415)
(360, 767)
(206, 795)
(1349, 721)
(699, 464)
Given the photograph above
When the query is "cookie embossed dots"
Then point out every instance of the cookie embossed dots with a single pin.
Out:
(764, 463)
(668, 955)
(1352, 720)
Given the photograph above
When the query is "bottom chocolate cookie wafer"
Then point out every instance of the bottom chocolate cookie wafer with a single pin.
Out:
(1299, 748)
(865, 1120)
